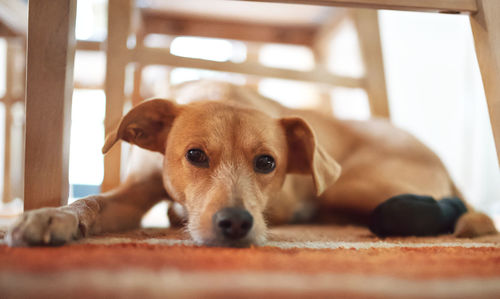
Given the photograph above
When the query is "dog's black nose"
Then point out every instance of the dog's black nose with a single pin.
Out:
(233, 223)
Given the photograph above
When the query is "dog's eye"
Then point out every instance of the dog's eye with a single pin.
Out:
(197, 157)
(264, 164)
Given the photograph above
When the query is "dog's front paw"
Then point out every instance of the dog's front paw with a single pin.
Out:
(47, 226)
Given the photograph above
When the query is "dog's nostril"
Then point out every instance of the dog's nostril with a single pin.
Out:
(233, 223)
(246, 225)
(225, 224)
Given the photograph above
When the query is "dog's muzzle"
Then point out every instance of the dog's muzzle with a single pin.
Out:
(232, 223)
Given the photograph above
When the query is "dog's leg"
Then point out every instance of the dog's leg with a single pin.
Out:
(410, 214)
(117, 210)
(400, 209)
(177, 215)
(416, 215)
(474, 224)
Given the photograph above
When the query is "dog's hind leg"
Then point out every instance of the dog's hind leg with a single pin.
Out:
(416, 215)
(397, 208)
(474, 224)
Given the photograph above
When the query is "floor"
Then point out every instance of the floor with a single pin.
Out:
(298, 261)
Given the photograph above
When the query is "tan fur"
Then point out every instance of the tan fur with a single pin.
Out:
(323, 164)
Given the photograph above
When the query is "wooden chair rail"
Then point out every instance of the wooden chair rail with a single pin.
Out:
(441, 6)
(148, 56)
(177, 24)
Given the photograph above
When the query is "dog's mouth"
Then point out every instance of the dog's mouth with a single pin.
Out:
(215, 239)
(253, 238)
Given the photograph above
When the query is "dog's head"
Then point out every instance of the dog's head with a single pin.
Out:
(223, 163)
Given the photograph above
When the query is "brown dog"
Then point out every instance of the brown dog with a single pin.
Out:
(232, 161)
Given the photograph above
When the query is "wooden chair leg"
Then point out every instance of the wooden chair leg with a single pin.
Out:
(366, 22)
(138, 69)
(486, 29)
(7, 194)
(51, 40)
(119, 15)
(8, 100)
(136, 92)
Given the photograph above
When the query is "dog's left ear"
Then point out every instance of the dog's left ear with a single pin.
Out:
(306, 156)
(146, 125)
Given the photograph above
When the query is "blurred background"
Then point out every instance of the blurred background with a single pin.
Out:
(433, 83)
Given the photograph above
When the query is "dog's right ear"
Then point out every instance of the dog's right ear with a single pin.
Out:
(146, 125)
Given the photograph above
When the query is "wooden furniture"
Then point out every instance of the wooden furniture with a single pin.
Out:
(47, 146)
(165, 20)
(51, 49)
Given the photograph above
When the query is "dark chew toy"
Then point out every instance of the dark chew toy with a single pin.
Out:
(416, 215)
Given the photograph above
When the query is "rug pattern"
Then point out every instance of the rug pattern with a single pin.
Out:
(298, 262)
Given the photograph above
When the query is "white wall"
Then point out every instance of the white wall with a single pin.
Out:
(435, 92)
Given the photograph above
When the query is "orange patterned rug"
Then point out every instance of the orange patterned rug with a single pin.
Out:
(299, 261)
